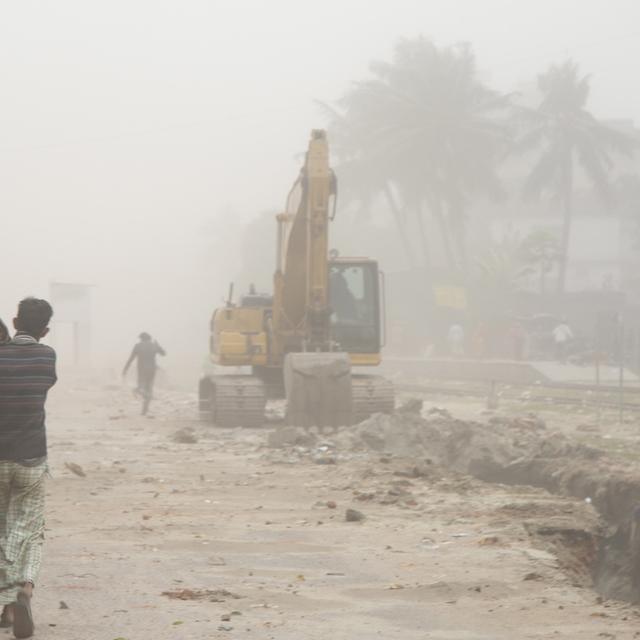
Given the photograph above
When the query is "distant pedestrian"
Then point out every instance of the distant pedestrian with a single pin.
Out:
(518, 338)
(455, 338)
(562, 336)
(27, 372)
(479, 341)
(145, 352)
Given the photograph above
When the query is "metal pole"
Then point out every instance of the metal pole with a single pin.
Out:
(597, 394)
(621, 372)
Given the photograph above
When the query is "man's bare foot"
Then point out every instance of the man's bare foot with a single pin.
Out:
(22, 618)
(6, 619)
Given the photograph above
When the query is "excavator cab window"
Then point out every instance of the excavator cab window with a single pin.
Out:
(354, 297)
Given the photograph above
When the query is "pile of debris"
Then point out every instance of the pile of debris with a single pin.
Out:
(482, 449)
(513, 450)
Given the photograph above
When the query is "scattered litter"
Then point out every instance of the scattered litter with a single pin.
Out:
(185, 436)
(325, 460)
(353, 515)
(75, 468)
(212, 595)
(532, 576)
(285, 436)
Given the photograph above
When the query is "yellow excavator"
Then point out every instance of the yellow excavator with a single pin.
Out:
(325, 317)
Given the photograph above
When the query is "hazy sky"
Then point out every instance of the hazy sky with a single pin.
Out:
(127, 124)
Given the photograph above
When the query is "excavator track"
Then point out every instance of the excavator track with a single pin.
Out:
(371, 394)
(233, 401)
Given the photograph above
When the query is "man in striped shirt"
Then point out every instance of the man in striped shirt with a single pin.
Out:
(27, 372)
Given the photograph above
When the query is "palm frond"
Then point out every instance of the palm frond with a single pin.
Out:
(562, 128)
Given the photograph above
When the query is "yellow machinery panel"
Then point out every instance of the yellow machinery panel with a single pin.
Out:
(238, 337)
(365, 359)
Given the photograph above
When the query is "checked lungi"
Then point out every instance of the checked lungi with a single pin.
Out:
(21, 524)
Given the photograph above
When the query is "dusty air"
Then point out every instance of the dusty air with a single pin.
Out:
(320, 320)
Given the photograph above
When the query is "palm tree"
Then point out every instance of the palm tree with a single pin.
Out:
(541, 249)
(362, 180)
(502, 269)
(565, 132)
(512, 266)
(425, 131)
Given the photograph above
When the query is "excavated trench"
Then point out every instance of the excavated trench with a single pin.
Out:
(522, 451)
(553, 463)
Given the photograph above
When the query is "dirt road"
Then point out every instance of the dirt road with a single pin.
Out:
(250, 541)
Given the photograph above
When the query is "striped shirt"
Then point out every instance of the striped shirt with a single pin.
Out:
(27, 372)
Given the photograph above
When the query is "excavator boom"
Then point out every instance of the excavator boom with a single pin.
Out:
(301, 310)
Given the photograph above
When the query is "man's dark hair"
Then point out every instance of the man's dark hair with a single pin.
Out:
(34, 315)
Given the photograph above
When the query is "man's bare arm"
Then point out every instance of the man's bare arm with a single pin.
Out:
(132, 357)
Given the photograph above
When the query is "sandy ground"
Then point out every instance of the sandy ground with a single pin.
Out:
(257, 540)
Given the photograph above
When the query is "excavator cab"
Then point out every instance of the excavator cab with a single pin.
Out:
(354, 297)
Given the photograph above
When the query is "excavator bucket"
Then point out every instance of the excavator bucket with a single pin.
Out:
(318, 389)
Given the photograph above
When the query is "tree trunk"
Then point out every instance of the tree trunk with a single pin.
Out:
(458, 232)
(566, 224)
(435, 204)
(424, 240)
(428, 290)
(401, 226)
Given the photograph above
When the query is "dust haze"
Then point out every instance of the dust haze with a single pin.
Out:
(145, 146)
(416, 419)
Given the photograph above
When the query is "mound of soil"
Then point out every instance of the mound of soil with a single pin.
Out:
(521, 451)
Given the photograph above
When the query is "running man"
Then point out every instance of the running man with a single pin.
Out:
(145, 352)
(27, 372)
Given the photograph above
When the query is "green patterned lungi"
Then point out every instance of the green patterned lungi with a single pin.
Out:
(21, 524)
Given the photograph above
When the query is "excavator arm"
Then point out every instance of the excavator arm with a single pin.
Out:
(301, 310)
(317, 379)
